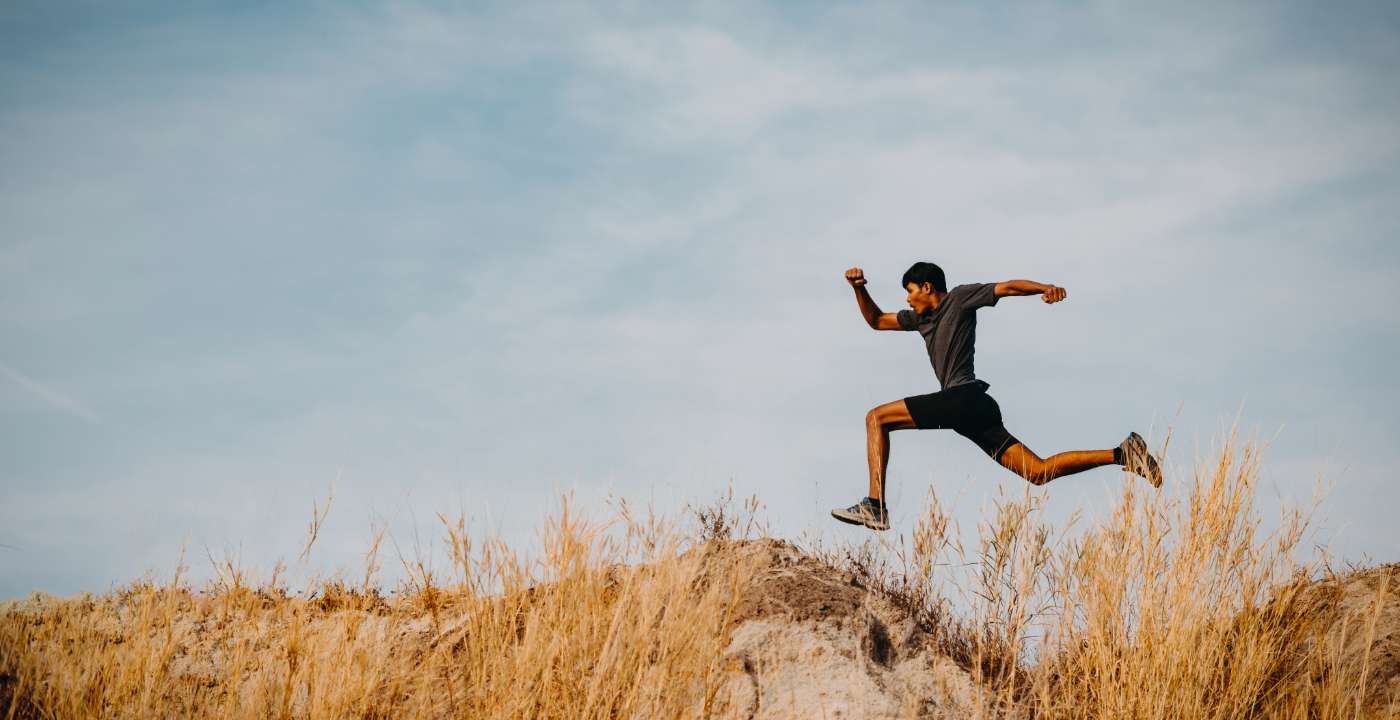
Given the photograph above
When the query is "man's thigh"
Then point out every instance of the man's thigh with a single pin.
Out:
(892, 416)
(982, 424)
(942, 410)
(969, 411)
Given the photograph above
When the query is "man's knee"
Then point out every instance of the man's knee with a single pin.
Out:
(890, 416)
(881, 418)
(1037, 474)
(1020, 460)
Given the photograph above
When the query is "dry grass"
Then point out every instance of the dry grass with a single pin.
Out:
(1167, 609)
(1170, 608)
(575, 634)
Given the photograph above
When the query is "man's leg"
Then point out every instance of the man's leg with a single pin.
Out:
(871, 511)
(878, 424)
(1021, 460)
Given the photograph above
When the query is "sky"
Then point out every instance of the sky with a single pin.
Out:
(431, 258)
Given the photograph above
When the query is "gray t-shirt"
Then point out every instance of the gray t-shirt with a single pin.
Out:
(951, 331)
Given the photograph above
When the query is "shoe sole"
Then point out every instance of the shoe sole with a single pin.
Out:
(854, 520)
(1154, 472)
(848, 519)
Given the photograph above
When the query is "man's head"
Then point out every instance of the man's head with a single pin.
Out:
(926, 286)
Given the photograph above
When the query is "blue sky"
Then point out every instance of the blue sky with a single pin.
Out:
(462, 260)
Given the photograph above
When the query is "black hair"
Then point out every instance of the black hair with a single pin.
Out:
(925, 272)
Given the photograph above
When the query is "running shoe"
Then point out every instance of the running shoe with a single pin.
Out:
(868, 512)
(1137, 459)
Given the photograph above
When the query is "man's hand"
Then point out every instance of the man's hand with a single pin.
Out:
(856, 277)
(1053, 294)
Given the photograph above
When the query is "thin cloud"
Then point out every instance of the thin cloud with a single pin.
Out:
(55, 398)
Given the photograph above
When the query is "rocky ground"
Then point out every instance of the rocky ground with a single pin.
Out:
(810, 641)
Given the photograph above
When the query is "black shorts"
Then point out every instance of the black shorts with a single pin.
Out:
(968, 411)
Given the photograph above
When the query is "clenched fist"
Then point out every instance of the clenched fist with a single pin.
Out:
(1053, 295)
(856, 277)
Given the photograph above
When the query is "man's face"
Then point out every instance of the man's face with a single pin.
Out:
(921, 297)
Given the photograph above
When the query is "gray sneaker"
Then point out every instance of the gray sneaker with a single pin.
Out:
(867, 512)
(1137, 459)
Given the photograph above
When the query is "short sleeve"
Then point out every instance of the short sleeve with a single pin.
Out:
(979, 295)
(907, 320)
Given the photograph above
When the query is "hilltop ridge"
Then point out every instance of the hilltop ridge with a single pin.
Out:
(801, 638)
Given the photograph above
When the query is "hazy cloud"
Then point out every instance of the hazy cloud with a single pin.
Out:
(50, 395)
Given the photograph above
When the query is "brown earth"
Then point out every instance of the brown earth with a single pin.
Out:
(810, 641)
(1361, 610)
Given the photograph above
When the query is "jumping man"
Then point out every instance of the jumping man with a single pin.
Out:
(948, 321)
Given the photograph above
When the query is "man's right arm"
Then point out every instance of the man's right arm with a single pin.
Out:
(868, 309)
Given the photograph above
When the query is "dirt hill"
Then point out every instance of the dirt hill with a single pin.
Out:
(803, 640)
(810, 641)
(1361, 620)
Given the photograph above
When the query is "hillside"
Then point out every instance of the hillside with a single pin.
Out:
(801, 639)
(1173, 606)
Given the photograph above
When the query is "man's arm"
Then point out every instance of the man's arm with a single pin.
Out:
(868, 309)
(1048, 293)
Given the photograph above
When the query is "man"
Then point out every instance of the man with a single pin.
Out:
(947, 319)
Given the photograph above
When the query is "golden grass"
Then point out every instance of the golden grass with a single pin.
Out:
(575, 634)
(1169, 608)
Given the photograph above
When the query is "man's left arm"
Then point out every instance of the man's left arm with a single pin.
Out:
(1048, 293)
